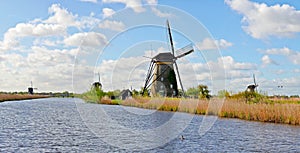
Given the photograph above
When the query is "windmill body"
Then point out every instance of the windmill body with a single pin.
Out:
(161, 74)
(165, 83)
(252, 87)
(30, 89)
(97, 84)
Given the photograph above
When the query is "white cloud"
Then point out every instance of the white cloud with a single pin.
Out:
(50, 70)
(266, 60)
(279, 51)
(135, 5)
(159, 13)
(112, 25)
(107, 12)
(231, 64)
(123, 72)
(26, 29)
(45, 42)
(210, 44)
(89, 39)
(296, 70)
(280, 71)
(11, 37)
(151, 2)
(261, 21)
(61, 16)
(92, 1)
(293, 56)
(56, 25)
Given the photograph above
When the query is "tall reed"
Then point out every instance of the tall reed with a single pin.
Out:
(287, 113)
(8, 97)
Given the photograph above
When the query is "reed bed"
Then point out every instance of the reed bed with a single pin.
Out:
(10, 97)
(286, 113)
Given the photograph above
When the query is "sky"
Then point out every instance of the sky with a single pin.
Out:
(63, 45)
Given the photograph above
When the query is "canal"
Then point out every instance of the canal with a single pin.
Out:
(70, 125)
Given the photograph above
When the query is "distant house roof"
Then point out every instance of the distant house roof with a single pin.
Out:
(164, 57)
(125, 94)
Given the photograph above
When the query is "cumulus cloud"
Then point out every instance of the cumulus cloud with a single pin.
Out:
(107, 12)
(50, 70)
(45, 42)
(92, 1)
(266, 60)
(261, 21)
(28, 29)
(159, 13)
(293, 56)
(89, 39)
(296, 71)
(56, 24)
(112, 25)
(151, 2)
(61, 16)
(210, 44)
(135, 5)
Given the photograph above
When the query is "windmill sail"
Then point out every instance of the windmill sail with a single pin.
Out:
(170, 37)
(254, 80)
(184, 51)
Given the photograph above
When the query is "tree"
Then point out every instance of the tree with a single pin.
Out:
(204, 92)
(223, 94)
(135, 93)
(192, 92)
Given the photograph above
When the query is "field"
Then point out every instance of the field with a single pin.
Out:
(274, 111)
(9, 97)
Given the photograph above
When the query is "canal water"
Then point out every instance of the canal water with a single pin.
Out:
(70, 125)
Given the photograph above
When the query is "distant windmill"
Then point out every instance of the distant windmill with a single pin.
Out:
(161, 75)
(97, 84)
(30, 89)
(252, 87)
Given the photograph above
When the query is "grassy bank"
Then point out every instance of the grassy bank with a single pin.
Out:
(10, 97)
(279, 111)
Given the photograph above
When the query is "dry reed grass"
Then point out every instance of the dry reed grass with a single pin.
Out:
(9, 97)
(287, 113)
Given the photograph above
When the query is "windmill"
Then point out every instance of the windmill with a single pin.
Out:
(97, 84)
(161, 75)
(30, 89)
(252, 87)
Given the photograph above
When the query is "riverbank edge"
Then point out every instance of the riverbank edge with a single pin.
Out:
(17, 97)
(278, 113)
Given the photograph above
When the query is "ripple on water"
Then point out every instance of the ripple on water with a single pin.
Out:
(54, 125)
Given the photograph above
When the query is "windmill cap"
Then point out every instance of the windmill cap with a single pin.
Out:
(164, 57)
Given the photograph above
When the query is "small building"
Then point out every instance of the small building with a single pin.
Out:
(125, 94)
(30, 90)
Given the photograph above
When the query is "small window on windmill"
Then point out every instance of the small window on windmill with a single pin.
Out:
(171, 86)
(161, 87)
(162, 79)
(174, 92)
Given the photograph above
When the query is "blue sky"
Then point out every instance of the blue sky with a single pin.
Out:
(61, 45)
